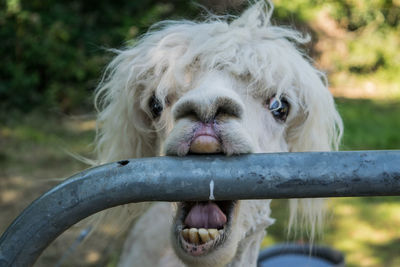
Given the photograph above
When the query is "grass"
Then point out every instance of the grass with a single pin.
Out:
(33, 158)
(39, 142)
(367, 230)
(370, 124)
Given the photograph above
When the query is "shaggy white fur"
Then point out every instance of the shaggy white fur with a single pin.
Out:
(213, 87)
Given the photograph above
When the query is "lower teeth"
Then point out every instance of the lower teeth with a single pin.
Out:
(200, 236)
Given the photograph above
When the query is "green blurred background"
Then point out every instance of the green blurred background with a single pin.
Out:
(52, 56)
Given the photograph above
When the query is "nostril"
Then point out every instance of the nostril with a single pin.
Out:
(186, 109)
(220, 112)
(228, 106)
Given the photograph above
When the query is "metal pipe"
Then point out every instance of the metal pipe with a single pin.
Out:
(254, 176)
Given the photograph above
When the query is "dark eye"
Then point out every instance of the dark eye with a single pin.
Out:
(279, 108)
(155, 107)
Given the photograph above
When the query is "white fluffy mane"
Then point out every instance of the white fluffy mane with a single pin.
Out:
(249, 47)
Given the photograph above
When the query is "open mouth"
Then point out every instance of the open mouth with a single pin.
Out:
(202, 226)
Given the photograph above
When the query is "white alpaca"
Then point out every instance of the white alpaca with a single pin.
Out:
(213, 87)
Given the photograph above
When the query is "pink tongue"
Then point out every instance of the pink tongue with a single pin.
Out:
(205, 216)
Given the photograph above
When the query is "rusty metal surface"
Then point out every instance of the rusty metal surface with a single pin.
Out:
(254, 176)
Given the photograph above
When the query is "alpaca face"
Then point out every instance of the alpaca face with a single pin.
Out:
(217, 88)
(217, 115)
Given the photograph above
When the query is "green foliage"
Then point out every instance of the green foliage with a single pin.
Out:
(369, 34)
(351, 14)
(53, 51)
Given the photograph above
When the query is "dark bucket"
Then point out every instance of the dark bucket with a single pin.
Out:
(300, 255)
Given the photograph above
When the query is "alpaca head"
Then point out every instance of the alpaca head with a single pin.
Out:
(215, 87)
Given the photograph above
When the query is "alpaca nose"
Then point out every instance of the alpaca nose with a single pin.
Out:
(206, 107)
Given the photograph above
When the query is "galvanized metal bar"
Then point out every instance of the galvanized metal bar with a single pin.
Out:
(254, 176)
